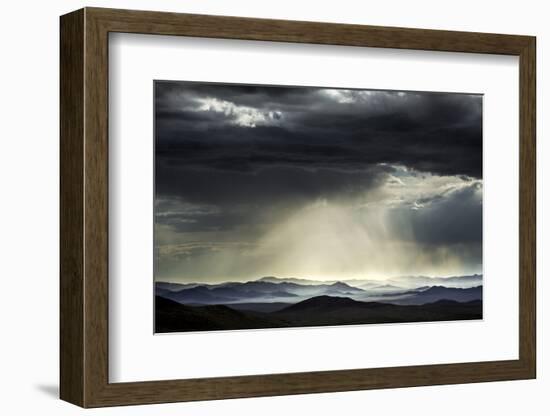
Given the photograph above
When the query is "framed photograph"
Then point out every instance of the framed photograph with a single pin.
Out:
(256, 207)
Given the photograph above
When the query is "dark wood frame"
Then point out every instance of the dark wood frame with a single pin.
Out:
(84, 208)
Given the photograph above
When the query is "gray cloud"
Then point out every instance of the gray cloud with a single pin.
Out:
(233, 163)
(431, 132)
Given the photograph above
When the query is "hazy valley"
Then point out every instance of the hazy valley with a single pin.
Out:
(271, 302)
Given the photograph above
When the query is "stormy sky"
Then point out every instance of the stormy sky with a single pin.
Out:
(317, 183)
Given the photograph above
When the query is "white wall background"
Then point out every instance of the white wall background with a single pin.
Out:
(29, 208)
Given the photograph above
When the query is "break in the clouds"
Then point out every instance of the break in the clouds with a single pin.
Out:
(315, 182)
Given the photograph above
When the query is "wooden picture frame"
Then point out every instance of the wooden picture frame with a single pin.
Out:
(84, 207)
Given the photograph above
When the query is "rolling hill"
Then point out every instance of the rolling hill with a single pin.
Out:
(437, 293)
(253, 292)
(171, 316)
(323, 310)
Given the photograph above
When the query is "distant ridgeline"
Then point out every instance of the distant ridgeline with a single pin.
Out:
(277, 302)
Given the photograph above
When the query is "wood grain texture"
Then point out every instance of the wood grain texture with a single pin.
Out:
(96, 219)
(84, 207)
(71, 100)
(162, 23)
(527, 208)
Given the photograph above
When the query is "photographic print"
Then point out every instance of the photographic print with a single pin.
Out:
(291, 206)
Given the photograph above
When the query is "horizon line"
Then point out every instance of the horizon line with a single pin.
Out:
(317, 280)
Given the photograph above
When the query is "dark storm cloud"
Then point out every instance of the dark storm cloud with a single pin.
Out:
(306, 127)
(456, 219)
(236, 145)
(222, 201)
(453, 217)
(268, 185)
(168, 93)
(239, 160)
(202, 220)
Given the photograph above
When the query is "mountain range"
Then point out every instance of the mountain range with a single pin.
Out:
(171, 316)
(281, 302)
(271, 289)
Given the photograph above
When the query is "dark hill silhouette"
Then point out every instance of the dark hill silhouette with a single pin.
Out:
(252, 292)
(317, 311)
(327, 303)
(196, 295)
(171, 316)
(435, 293)
(341, 286)
(328, 310)
(260, 307)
